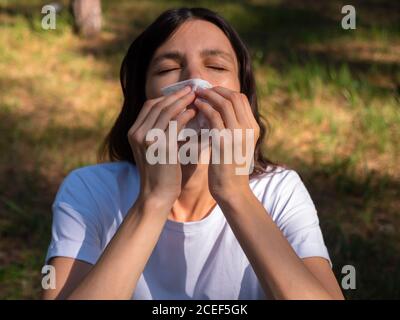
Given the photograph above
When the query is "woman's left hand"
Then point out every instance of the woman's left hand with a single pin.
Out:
(230, 110)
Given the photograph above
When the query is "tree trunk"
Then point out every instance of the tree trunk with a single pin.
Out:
(87, 14)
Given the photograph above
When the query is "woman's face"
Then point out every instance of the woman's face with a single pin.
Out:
(198, 49)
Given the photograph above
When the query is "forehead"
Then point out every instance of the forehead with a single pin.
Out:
(195, 36)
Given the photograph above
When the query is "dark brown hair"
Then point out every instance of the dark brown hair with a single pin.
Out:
(133, 75)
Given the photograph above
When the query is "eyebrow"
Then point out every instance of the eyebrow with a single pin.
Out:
(178, 56)
(172, 55)
(217, 52)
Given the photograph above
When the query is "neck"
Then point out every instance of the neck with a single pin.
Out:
(195, 201)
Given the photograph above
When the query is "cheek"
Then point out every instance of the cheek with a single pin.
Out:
(154, 85)
(153, 89)
(148, 89)
(229, 82)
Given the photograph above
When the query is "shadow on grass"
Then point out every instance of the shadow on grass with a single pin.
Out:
(359, 219)
(27, 190)
(24, 219)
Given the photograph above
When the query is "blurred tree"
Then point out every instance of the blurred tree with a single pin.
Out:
(87, 15)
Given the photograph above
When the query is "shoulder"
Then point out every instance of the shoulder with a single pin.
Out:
(279, 180)
(283, 193)
(98, 183)
(104, 170)
(291, 207)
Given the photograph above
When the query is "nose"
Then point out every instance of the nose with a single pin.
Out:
(192, 71)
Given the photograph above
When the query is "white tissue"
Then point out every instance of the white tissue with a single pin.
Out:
(199, 121)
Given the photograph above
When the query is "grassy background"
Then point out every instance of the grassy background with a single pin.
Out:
(331, 97)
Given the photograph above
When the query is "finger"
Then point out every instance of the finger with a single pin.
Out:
(160, 102)
(212, 115)
(249, 111)
(183, 118)
(154, 114)
(144, 111)
(237, 102)
(250, 116)
(172, 111)
(222, 105)
(176, 95)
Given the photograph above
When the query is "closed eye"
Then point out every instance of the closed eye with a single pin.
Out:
(217, 68)
(167, 70)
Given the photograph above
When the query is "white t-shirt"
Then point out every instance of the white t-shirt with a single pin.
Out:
(192, 260)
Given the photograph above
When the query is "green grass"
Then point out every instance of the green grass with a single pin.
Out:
(331, 98)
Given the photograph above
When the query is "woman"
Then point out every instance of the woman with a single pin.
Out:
(127, 229)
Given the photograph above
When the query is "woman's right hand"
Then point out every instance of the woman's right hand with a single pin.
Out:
(160, 181)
